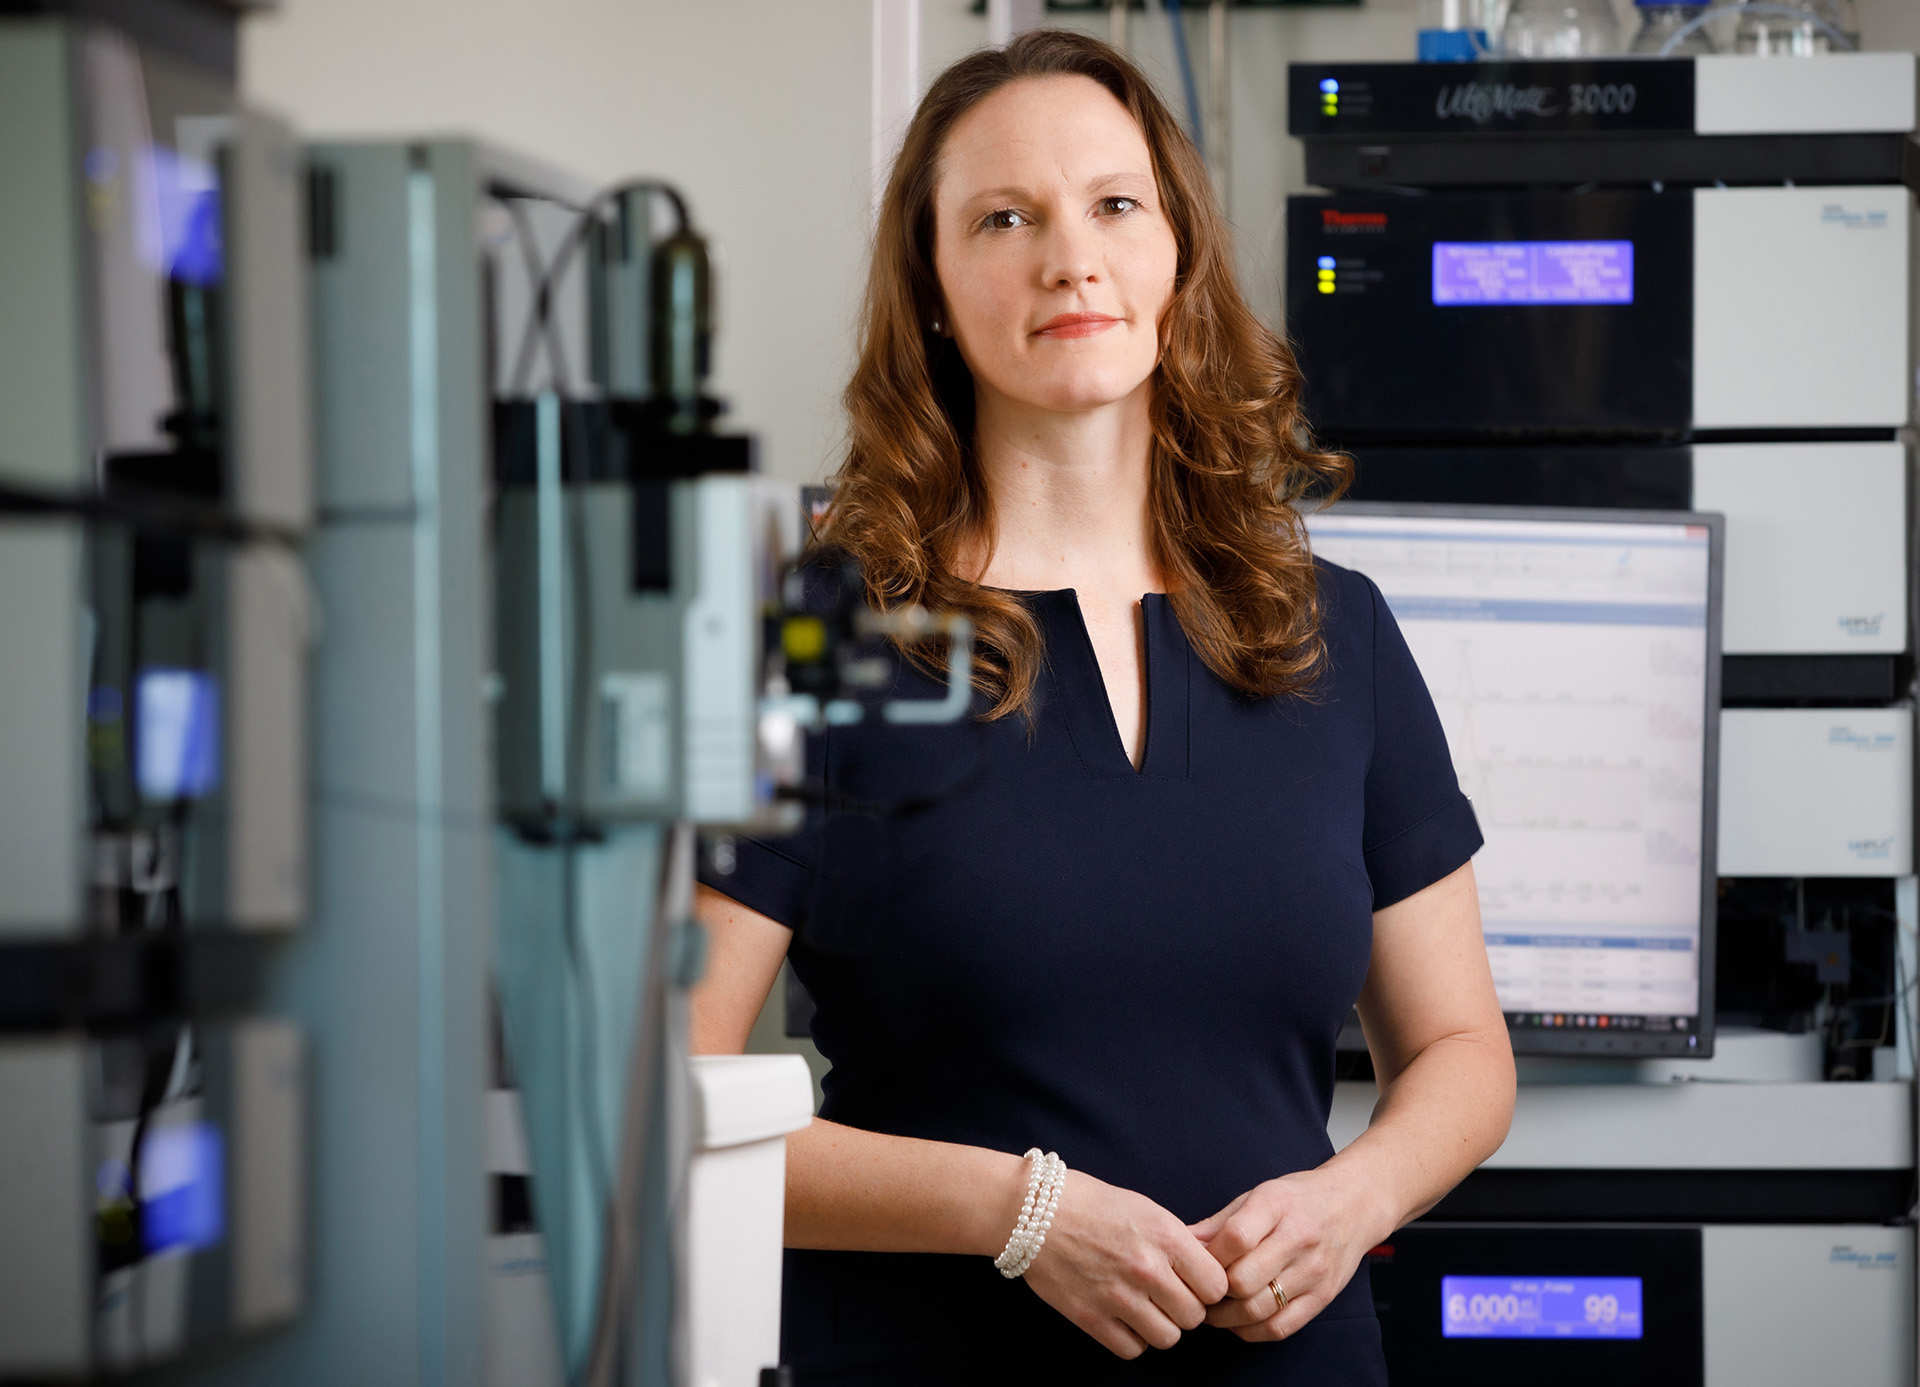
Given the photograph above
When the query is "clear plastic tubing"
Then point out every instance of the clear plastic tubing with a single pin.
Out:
(1660, 20)
(1560, 29)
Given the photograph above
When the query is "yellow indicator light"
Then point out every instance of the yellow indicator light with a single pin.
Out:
(1326, 286)
(1331, 105)
(804, 639)
(1326, 274)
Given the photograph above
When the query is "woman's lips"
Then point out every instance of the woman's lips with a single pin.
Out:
(1075, 325)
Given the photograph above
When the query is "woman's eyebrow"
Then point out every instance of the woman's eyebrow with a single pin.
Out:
(997, 195)
(1124, 177)
(1012, 194)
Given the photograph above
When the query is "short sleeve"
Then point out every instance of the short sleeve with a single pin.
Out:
(827, 882)
(775, 876)
(1419, 826)
(769, 875)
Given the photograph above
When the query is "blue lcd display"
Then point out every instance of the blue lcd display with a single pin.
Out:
(178, 226)
(183, 1187)
(177, 734)
(1521, 272)
(1540, 1307)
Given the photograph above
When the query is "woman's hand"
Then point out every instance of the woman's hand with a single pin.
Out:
(1124, 1269)
(1304, 1232)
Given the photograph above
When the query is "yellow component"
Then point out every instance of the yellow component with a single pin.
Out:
(1326, 276)
(803, 639)
(1326, 286)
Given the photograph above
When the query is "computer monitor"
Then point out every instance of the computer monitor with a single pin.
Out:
(1574, 658)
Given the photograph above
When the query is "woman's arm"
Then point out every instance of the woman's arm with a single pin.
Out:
(1445, 1071)
(849, 1189)
(1115, 1263)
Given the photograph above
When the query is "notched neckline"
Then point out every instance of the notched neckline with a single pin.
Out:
(1087, 709)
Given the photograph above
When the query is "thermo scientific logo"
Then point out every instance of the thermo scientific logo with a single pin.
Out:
(1870, 849)
(1844, 1255)
(1865, 219)
(1335, 223)
(1480, 102)
(1860, 741)
(1862, 625)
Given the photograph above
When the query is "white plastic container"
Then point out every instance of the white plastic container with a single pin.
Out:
(743, 1108)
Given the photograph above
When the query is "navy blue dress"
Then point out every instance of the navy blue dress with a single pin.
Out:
(1143, 970)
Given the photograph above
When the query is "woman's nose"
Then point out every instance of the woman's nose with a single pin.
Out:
(1070, 256)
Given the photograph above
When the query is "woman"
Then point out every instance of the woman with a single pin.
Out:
(1184, 833)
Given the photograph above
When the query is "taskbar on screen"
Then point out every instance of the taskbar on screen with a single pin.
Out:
(1591, 1021)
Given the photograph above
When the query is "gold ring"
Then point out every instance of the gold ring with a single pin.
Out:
(1279, 1296)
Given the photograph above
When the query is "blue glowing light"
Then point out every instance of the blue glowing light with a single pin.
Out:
(1329, 86)
(1326, 262)
(183, 1186)
(177, 735)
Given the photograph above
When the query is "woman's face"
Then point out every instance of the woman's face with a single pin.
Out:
(1054, 254)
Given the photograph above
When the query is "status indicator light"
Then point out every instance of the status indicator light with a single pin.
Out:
(1325, 262)
(1330, 86)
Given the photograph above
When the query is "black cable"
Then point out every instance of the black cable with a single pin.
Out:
(562, 260)
(145, 510)
(501, 190)
(152, 1097)
(536, 276)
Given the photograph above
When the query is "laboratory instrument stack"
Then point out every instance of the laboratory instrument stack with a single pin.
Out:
(547, 598)
(155, 496)
(1675, 286)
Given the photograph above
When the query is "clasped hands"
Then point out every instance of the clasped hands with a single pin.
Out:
(1133, 1276)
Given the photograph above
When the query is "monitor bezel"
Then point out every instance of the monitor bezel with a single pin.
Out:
(1611, 1044)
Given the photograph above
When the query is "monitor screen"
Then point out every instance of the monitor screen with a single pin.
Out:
(1574, 659)
(1505, 272)
(1540, 1307)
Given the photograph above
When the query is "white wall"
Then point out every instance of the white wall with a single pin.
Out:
(760, 109)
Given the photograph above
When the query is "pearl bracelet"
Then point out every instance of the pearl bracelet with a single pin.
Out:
(1046, 1176)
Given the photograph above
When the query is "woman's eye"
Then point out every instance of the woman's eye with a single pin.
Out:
(1114, 206)
(1006, 219)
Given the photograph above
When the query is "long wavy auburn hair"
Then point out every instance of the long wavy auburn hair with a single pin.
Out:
(1230, 451)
